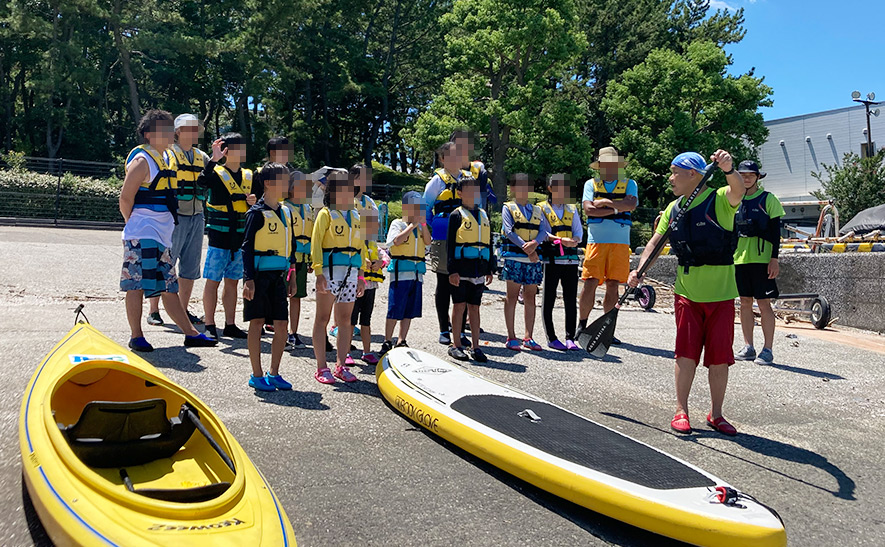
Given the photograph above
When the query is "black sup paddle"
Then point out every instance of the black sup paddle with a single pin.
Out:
(597, 337)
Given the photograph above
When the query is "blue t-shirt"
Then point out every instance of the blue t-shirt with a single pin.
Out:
(608, 231)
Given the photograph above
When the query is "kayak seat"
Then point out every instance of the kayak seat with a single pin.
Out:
(121, 434)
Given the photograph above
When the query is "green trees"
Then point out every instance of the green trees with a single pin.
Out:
(508, 62)
(672, 103)
(857, 184)
(543, 83)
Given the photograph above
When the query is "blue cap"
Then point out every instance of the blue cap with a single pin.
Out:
(690, 160)
(412, 197)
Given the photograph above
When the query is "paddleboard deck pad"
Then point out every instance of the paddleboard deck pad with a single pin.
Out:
(573, 457)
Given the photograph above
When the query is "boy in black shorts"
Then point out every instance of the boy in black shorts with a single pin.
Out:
(755, 260)
(470, 263)
(268, 250)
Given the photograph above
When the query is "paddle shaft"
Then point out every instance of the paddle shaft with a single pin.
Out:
(673, 221)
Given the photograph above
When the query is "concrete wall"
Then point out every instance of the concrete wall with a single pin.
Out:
(854, 283)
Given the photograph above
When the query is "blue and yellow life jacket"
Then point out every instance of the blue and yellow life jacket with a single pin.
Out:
(408, 256)
(619, 192)
(186, 173)
(698, 239)
(226, 212)
(302, 228)
(473, 240)
(371, 256)
(559, 227)
(273, 242)
(526, 228)
(447, 201)
(157, 194)
(340, 240)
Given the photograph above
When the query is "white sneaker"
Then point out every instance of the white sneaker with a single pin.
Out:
(748, 353)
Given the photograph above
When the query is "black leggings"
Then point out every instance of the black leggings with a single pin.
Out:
(443, 297)
(567, 274)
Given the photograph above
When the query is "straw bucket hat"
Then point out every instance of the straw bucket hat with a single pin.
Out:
(609, 154)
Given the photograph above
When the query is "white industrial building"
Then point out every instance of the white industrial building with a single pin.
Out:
(800, 145)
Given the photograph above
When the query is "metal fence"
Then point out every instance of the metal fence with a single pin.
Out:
(81, 168)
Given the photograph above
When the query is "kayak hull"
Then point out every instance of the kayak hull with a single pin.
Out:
(83, 505)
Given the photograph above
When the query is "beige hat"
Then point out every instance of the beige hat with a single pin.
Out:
(609, 154)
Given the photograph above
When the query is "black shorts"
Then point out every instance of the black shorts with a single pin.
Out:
(362, 309)
(468, 292)
(270, 300)
(752, 281)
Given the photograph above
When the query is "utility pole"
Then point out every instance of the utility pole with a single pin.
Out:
(869, 101)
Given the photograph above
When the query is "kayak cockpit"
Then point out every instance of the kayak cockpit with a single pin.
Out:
(119, 425)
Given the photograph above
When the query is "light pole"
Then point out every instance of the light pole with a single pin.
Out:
(870, 101)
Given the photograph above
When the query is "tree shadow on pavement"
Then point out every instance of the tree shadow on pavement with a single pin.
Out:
(175, 358)
(767, 447)
(308, 400)
(600, 526)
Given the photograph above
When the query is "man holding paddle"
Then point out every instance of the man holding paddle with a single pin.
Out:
(702, 238)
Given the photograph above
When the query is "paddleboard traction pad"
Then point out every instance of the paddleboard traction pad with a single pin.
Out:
(575, 439)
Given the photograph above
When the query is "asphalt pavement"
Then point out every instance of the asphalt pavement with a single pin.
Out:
(349, 470)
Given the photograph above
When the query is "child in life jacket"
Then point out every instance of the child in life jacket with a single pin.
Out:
(407, 241)
(374, 261)
(268, 251)
(336, 249)
(302, 229)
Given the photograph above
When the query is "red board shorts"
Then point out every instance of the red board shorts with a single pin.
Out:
(707, 326)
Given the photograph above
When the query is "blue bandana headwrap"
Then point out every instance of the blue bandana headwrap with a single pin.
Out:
(690, 160)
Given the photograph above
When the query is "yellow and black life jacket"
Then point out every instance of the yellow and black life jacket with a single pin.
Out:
(302, 227)
(476, 167)
(619, 192)
(157, 194)
(372, 255)
(559, 227)
(473, 240)
(450, 198)
(408, 256)
(273, 242)
(340, 240)
(187, 172)
(226, 212)
(526, 228)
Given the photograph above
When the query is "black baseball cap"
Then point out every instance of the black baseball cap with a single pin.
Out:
(750, 166)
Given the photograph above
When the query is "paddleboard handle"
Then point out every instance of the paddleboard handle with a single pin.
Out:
(730, 497)
(192, 416)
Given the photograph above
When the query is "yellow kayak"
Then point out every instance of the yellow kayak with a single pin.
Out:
(114, 453)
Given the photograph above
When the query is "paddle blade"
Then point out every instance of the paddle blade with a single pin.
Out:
(597, 337)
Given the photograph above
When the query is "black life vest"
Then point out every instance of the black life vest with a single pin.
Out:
(752, 219)
(698, 239)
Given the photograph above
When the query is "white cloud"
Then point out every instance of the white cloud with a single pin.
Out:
(722, 5)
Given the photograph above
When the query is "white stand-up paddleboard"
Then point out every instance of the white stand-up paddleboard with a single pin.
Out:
(573, 457)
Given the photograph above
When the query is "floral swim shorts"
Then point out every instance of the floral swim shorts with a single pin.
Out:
(147, 266)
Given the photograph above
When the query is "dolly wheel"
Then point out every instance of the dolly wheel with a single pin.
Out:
(647, 297)
(820, 313)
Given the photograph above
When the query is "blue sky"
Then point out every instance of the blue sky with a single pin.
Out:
(814, 53)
